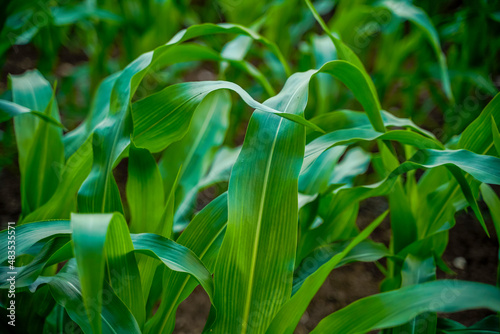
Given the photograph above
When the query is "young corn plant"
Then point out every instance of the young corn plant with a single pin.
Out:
(96, 258)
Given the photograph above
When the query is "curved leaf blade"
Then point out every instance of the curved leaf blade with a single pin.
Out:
(100, 239)
(256, 259)
(397, 307)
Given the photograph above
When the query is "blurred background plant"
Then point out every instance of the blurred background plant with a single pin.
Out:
(400, 43)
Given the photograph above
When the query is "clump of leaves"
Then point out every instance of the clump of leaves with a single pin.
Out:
(106, 261)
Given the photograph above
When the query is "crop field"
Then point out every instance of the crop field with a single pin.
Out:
(247, 167)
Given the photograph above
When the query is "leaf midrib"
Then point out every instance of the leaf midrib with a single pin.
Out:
(246, 312)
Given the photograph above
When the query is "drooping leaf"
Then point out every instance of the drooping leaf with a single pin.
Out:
(479, 166)
(53, 251)
(29, 234)
(66, 289)
(100, 239)
(397, 307)
(346, 119)
(347, 136)
(484, 168)
(164, 117)
(9, 110)
(174, 256)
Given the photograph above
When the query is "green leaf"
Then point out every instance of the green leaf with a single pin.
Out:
(365, 251)
(196, 150)
(354, 163)
(289, 315)
(76, 13)
(203, 236)
(39, 144)
(418, 17)
(71, 177)
(100, 239)
(496, 135)
(53, 251)
(228, 28)
(9, 110)
(477, 137)
(29, 234)
(99, 108)
(219, 172)
(163, 118)
(99, 192)
(174, 256)
(46, 154)
(348, 136)
(145, 195)
(146, 201)
(256, 259)
(417, 271)
(478, 165)
(493, 202)
(440, 202)
(400, 306)
(31, 91)
(325, 230)
(58, 321)
(344, 52)
(362, 87)
(345, 119)
(314, 177)
(67, 291)
(483, 168)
